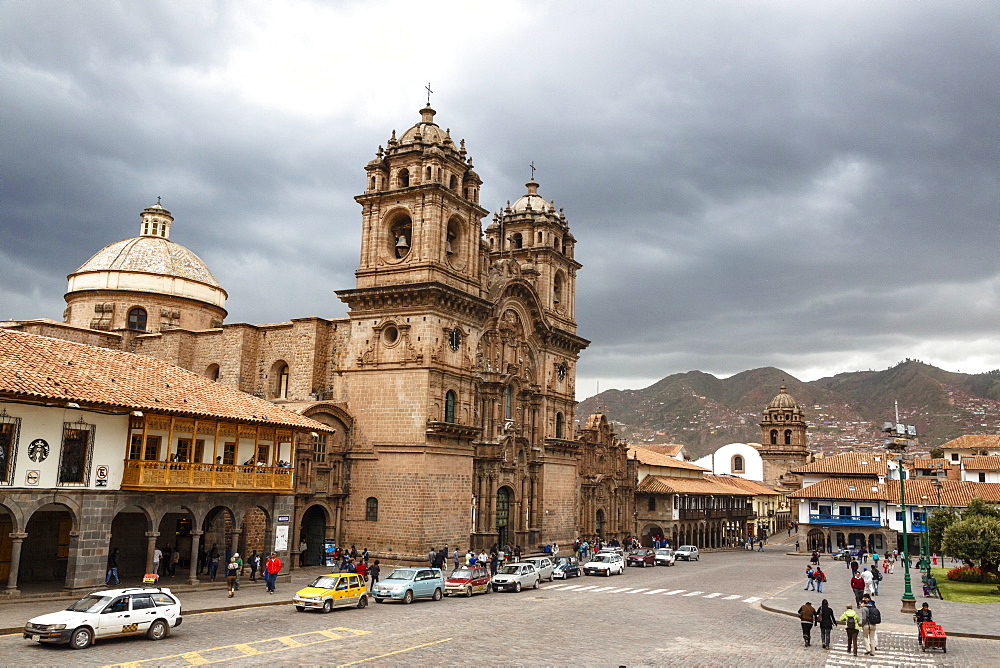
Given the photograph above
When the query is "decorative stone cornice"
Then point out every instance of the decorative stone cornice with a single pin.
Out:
(415, 295)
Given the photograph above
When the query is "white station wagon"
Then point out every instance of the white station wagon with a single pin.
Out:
(103, 614)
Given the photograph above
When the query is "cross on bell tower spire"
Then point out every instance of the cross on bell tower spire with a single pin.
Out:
(429, 91)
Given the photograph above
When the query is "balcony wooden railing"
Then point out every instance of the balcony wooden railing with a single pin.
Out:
(143, 474)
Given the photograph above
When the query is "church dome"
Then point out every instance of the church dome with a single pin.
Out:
(149, 263)
(783, 400)
(532, 201)
(429, 131)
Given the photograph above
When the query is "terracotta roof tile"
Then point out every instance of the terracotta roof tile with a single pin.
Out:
(862, 489)
(973, 441)
(659, 484)
(982, 463)
(650, 458)
(848, 463)
(45, 369)
(668, 449)
(752, 486)
(953, 492)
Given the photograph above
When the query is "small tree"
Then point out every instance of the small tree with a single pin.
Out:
(937, 453)
(976, 540)
(937, 522)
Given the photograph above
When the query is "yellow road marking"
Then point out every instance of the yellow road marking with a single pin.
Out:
(398, 651)
(193, 658)
(247, 649)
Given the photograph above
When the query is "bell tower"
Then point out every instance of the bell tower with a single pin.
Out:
(783, 440)
(421, 219)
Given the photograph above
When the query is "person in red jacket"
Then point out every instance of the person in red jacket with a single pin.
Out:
(271, 570)
(858, 587)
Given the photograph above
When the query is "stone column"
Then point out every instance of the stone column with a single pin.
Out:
(16, 539)
(195, 547)
(151, 537)
(236, 540)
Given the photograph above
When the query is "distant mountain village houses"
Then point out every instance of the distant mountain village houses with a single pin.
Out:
(439, 411)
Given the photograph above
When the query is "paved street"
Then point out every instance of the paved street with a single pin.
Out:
(700, 613)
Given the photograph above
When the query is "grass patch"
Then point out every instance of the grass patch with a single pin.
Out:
(963, 592)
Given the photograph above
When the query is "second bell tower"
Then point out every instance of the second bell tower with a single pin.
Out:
(421, 219)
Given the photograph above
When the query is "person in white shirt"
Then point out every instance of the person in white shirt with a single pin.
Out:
(866, 575)
(157, 555)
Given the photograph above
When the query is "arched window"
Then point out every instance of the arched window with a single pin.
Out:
(738, 465)
(400, 235)
(279, 380)
(137, 319)
(371, 509)
(651, 505)
(404, 178)
(504, 495)
(454, 183)
(557, 289)
(508, 402)
(559, 425)
(599, 523)
(212, 372)
(517, 240)
(774, 437)
(788, 437)
(449, 406)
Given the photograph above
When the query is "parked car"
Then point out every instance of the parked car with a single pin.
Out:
(605, 563)
(336, 590)
(103, 614)
(406, 584)
(665, 557)
(687, 553)
(642, 556)
(613, 550)
(468, 581)
(516, 577)
(543, 565)
(566, 568)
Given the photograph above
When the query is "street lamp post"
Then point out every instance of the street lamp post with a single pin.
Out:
(909, 602)
(925, 542)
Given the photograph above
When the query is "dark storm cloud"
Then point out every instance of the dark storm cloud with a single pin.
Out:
(811, 187)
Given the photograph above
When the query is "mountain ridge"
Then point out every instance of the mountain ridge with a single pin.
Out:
(845, 411)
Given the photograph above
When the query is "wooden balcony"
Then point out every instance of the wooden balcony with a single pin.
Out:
(142, 474)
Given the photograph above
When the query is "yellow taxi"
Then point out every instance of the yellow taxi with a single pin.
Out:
(336, 590)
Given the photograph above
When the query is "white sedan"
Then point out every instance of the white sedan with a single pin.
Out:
(665, 557)
(515, 577)
(103, 614)
(605, 564)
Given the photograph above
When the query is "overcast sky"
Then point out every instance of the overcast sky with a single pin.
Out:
(812, 186)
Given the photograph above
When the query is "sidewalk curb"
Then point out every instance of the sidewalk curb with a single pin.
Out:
(186, 613)
(953, 634)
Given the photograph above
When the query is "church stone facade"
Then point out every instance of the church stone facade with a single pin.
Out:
(450, 383)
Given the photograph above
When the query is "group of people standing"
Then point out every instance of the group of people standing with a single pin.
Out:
(234, 569)
(863, 621)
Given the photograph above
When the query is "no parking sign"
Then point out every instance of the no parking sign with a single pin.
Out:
(102, 476)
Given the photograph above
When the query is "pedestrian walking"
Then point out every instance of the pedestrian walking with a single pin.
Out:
(363, 570)
(157, 556)
(858, 587)
(254, 562)
(112, 568)
(239, 568)
(457, 556)
(231, 569)
(807, 615)
(431, 557)
(271, 570)
(213, 562)
(175, 558)
(819, 577)
(871, 617)
(810, 582)
(374, 572)
(826, 620)
(869, 579)
(876, 579)
(852, 625)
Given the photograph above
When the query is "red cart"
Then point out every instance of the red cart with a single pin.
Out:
(932, 636)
